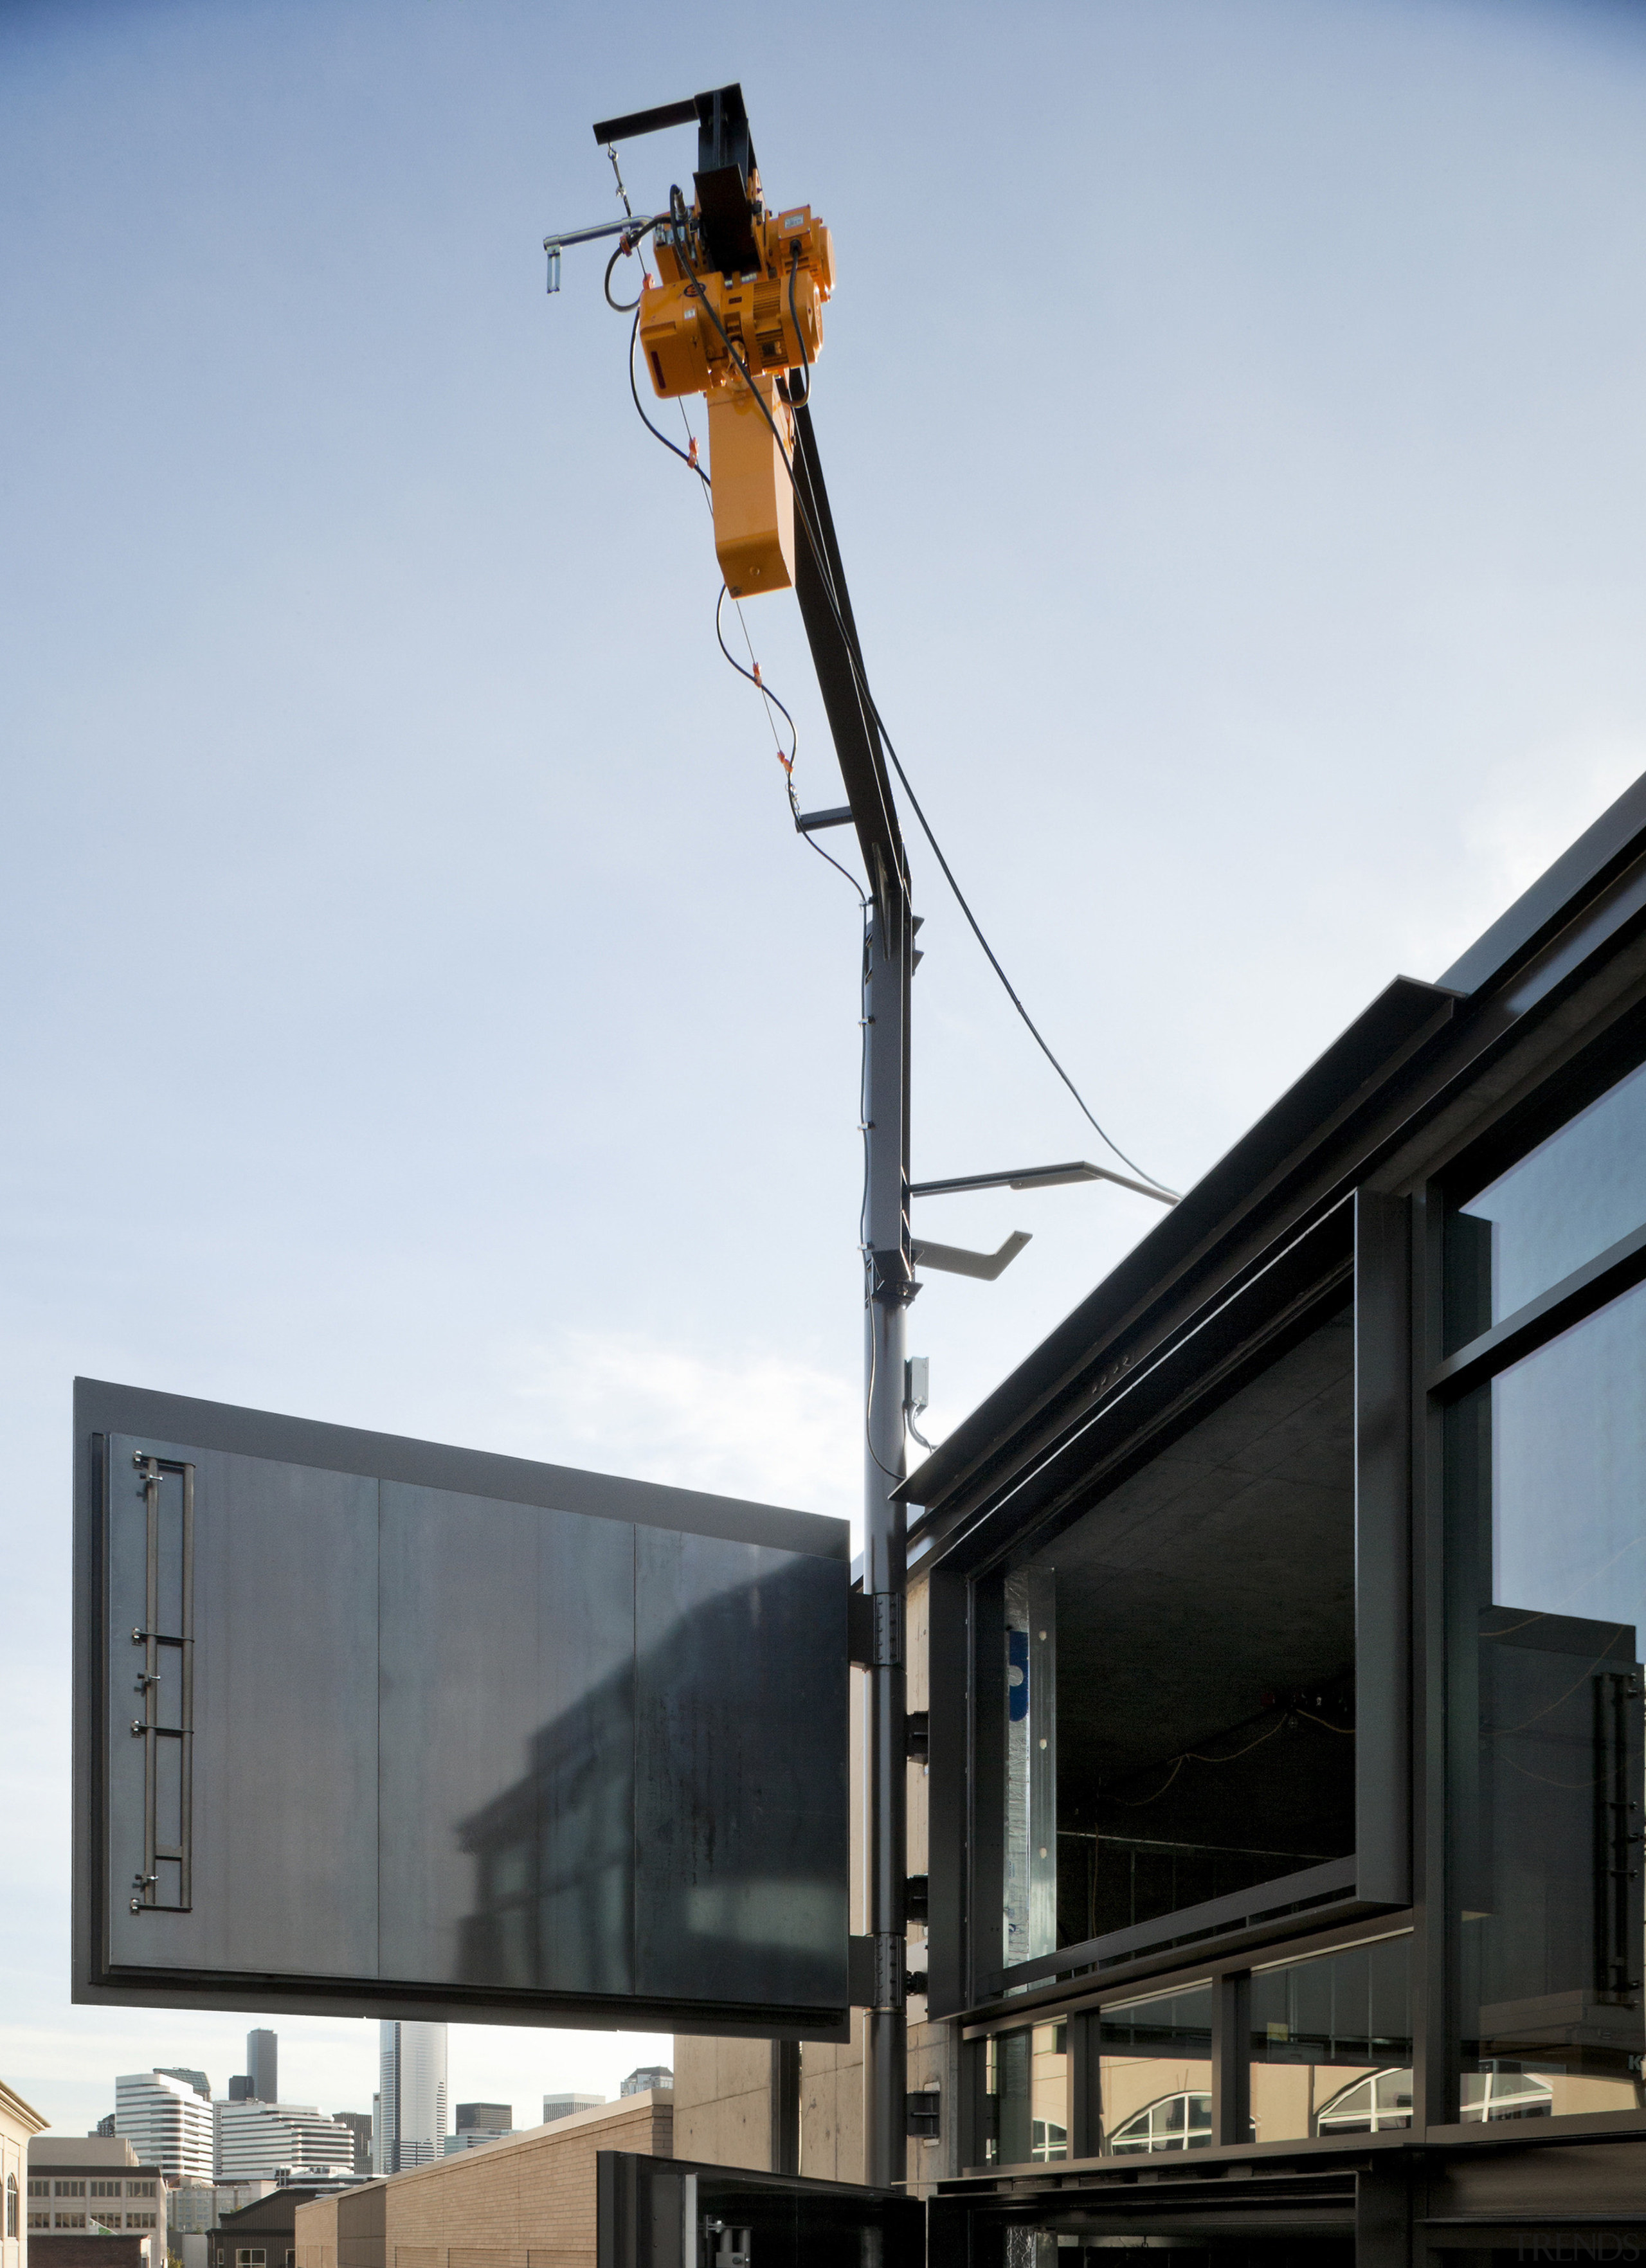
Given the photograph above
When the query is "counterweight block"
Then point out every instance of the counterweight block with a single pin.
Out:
(754, 500)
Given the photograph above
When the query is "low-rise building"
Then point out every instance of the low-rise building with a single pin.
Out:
(260, 2234)
(92, 2203)
(19, 2123)
(528, 2201)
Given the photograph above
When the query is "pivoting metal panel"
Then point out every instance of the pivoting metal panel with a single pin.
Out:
(551, 1747)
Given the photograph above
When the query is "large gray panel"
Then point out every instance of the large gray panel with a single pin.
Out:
(285, 1704)
(507, 1766)
(741, 1771)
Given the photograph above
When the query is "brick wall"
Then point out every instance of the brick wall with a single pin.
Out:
(528, 2203)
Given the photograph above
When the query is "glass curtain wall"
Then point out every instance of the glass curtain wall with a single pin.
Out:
(1546, 1473)
(1179, 1663)
(1154, 2074)
(1331, 2043)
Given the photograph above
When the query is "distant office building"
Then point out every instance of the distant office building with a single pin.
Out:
(191, 2208)
(254, 2141)
(234, 2196)
(649, 2075)
(485, 2117)
(104, 2126)
(259, 2081)
(567, 2106)
(359, 2125)
(197, 2079)
(262, 2065)
(411, 2096)
(167, 2120)
(480, 2123)
(20, 2123)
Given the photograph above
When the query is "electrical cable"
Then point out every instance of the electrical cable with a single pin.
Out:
(620, 306)
(796, 399)
(677, 213)
(673, 446)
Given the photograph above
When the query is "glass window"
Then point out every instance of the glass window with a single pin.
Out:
(1179, 1666)
(11, 2205)
(1028, 2086)
(1545, 1469)
(1331, 2043)
(1155, 2072)
(1560, 1205)
(248, 2257)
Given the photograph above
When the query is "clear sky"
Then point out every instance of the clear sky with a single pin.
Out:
(418, 1012)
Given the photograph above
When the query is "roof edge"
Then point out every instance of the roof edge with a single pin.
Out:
(1616, 838)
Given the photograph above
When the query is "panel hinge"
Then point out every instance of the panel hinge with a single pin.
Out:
(875, 1628)
(875, 1971)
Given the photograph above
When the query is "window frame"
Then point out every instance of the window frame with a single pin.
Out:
(1555, 1093)
(1358, 1243)
(1229, 1977)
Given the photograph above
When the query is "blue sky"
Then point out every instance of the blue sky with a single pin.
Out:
(418, 1012)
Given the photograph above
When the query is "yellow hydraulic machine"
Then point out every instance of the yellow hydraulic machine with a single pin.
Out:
(736, 313)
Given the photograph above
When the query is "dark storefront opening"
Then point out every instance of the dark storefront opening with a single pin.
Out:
(1180, 1662)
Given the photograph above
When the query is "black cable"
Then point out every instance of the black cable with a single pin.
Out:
(619, 307)
(761, 687)
(676, 205)
(684, 459)
(796, 399)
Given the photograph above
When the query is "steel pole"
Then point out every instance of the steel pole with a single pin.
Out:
(890, 1285)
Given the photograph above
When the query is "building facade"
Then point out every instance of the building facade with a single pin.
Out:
(94, 2187)
(1275, 1635)
(19, 2123)
(255, 2141)
(412, 2100)
(167, 2121)
(527, 2202)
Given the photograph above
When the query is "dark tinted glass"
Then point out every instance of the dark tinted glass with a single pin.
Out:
(1331, 2043)
(1179, 1667)
(1546, 1467)
(1154, 2074)
(1560, 1205)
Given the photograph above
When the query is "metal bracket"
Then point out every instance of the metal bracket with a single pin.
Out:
(917, 1735)
(875, 1628)
(894, 1281)
(876, 1978)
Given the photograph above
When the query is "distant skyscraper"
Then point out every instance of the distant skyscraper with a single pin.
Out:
(262, 2065)
(649, 2075)
(166, 2121)
(411, 2108)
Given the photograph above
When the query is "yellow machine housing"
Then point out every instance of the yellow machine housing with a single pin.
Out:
(754, 502)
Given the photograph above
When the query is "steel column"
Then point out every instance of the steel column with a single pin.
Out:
(889, 1285)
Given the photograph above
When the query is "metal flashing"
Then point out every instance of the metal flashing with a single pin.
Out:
(1599, 853)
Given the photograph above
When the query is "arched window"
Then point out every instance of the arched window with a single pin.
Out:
(11, 2205)
(1181, 2121)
